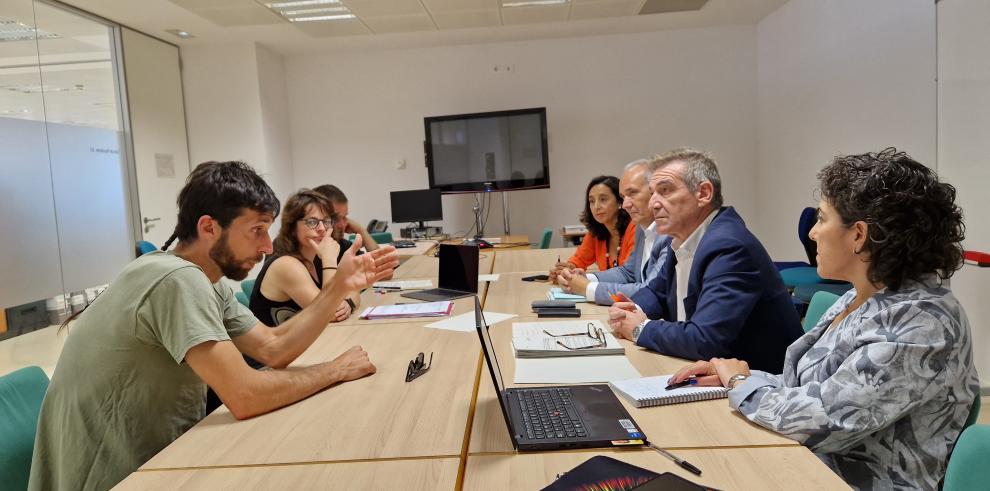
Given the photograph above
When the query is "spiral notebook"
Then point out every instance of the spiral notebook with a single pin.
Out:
(651, 391)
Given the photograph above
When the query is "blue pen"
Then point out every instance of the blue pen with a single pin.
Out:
(690, 381)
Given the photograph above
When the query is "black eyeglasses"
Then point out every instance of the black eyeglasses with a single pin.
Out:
(417, 367)
(594, 332)
(311, 223)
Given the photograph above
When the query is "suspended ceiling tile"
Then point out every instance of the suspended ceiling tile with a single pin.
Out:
(535, 14)
(443, 6)
(667, 6)
(349, 27)
(594, 9)
(463, 20)
(206, 4)
(400, 23)
(252, 15)
(385, 8)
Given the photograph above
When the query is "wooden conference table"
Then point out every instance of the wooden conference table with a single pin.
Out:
(444, 430)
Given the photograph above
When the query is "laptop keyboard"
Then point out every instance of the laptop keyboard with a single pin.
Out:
(549, 414)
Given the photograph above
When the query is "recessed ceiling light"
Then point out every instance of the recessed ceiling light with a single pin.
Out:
(532, 3)
(322, 17)
(299, 3)
(180, 33)
(296, 11)
(323, 10)
(12, 30)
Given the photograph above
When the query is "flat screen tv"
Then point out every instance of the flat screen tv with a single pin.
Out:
(495, 151)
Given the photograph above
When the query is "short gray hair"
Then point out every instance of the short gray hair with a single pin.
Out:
(698, 167)
(644, 163)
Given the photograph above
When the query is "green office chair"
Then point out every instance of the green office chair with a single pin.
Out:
(545, 238)
(21, 393)
(974, 412)
(820, 303)
(379, 237)
(968, 467)
(247, 286)
(241, 297)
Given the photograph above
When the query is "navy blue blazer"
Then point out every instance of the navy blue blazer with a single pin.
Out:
(736, 304)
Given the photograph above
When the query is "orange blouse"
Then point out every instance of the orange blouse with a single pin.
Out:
(594, 251)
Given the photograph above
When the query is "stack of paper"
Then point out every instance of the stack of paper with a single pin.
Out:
(429, 309)
(530, 339)
(556, 293)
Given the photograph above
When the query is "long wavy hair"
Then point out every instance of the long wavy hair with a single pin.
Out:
(599, 230)
(286, 243)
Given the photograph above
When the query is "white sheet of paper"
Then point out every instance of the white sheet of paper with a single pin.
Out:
(465, 322)
(487, 277)
(574, 370)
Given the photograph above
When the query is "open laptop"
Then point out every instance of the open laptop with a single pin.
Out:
(458, 275)
(558, 417)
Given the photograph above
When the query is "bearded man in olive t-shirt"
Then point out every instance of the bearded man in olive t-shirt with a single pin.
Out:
(133, 373)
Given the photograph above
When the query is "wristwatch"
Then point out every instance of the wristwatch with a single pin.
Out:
(734, 380)
(639, 329)
(351, 303)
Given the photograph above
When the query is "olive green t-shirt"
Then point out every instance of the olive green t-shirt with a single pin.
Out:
(122, 391)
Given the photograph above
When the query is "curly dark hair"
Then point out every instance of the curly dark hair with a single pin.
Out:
(598, 230)
(914, 227)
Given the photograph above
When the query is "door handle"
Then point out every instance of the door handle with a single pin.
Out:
(149, 223)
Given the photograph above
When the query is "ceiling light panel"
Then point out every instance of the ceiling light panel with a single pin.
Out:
(531, 3)
(309, 11)
(12, 30)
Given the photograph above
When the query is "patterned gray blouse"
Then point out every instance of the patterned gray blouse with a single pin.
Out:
(881, 397)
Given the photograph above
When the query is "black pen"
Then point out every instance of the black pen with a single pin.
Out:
(683, 463)
(684, 383)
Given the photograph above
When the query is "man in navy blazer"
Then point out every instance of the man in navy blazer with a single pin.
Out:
(647, 257)
(718, 294)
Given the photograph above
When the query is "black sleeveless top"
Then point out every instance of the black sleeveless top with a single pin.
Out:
(273, 313)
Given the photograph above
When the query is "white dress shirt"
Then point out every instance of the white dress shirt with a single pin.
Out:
(684, 253)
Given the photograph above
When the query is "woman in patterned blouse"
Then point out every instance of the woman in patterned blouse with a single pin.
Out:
(881, 387)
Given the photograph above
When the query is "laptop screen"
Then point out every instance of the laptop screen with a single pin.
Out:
(459, 268)
(492, 362)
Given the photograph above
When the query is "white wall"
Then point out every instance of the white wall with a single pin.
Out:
(275, 121)
(964, 147)
(609, 99)
(837, 77)
(236, 108)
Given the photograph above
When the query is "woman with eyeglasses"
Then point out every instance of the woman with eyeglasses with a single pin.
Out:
(883, 384)
(305, 256)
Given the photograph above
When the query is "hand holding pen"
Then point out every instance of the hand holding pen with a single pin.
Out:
(691, 380)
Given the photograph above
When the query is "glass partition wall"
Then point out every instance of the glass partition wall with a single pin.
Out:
(66, 225)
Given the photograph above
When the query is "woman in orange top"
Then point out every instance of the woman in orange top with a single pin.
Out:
(611, 236)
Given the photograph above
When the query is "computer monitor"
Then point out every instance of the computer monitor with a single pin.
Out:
(419, 205)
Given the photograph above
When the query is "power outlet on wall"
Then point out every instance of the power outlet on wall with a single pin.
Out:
(504, 68)
(400, 164)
